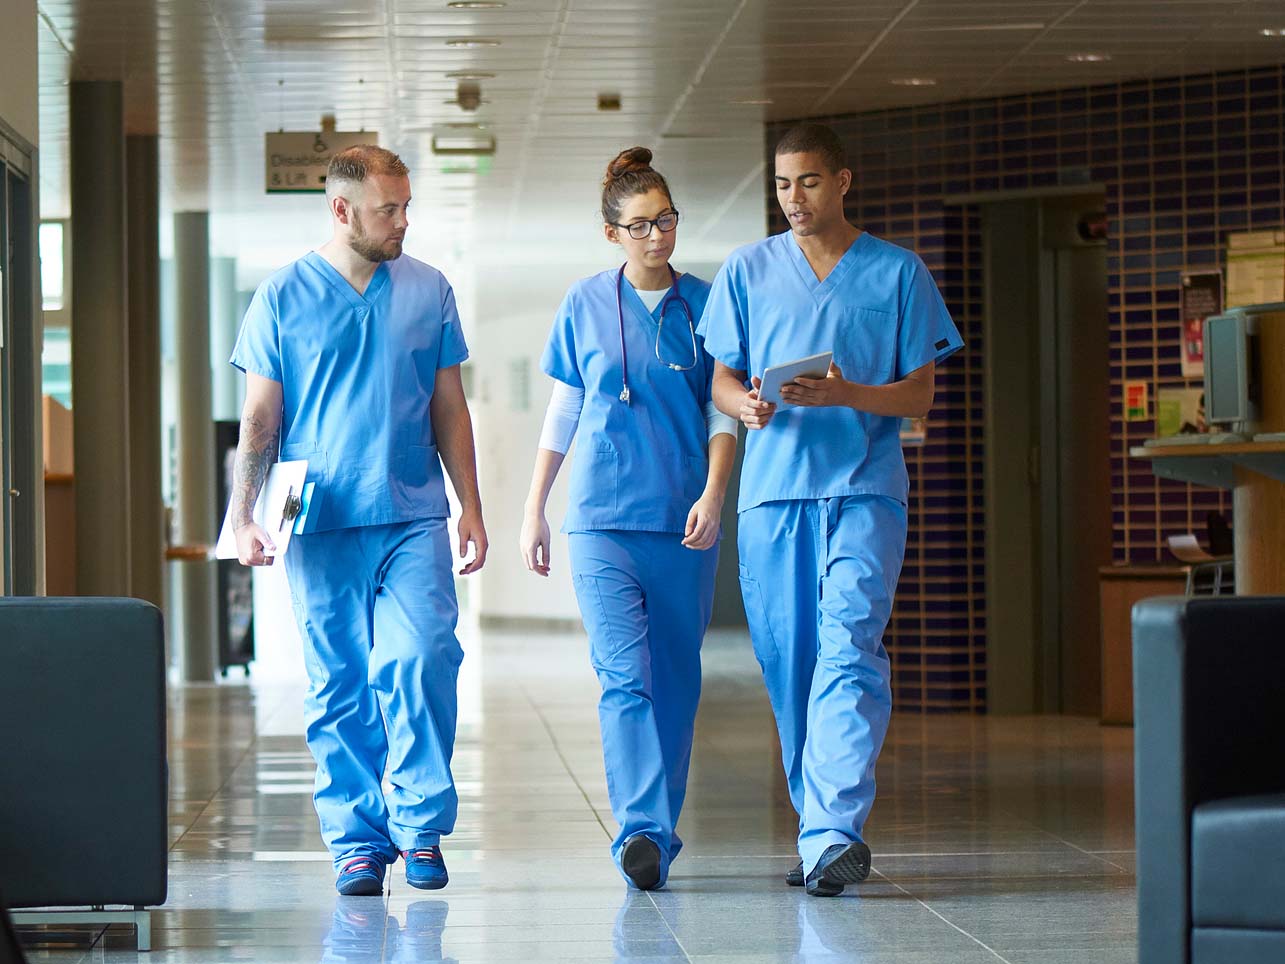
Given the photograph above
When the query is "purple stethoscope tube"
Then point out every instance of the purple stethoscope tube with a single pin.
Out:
(620, 317)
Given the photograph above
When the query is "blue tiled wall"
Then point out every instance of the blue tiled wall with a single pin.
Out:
(1185, 162)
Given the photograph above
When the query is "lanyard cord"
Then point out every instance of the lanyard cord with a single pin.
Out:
(620, 317)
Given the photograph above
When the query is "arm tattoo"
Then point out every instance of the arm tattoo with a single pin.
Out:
(255, 452)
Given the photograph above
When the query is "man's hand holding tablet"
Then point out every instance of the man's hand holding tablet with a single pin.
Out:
(778, 383)
(760, 403)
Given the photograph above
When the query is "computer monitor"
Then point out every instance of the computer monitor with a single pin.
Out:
(1231, 370)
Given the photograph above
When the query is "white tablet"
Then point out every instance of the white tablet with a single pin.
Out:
(814, 366)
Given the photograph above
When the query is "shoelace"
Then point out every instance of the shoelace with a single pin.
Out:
(432, 853)
(358, 864)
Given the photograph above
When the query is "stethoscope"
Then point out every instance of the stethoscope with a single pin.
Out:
(620, 316)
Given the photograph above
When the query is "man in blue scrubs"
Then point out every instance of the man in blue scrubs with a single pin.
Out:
(822, 508)
(352, 360)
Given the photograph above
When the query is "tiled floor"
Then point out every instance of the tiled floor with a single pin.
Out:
(994, 839)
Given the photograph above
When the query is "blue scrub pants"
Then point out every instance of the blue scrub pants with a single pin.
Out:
(818, 578)
(376, 608)
(645, 600)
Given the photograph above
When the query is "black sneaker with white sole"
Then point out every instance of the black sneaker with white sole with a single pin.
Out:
(840, 865)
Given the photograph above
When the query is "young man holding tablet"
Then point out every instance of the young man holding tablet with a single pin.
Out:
(823, 493)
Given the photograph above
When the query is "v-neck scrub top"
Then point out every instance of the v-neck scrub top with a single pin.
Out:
(880, 313)
(357, 373)
(638, 466)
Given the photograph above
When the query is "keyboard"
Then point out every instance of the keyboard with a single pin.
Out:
(1195, 438)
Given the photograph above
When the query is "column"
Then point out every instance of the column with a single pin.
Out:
(225, 318)
(195, 515)
(99, 339)
(143, 258)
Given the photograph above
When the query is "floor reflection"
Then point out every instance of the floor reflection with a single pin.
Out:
(994, 839)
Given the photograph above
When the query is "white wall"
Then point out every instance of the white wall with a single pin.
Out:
(18, 75)
(514, 311)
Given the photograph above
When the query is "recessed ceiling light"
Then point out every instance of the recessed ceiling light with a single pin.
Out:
(466, 42)
(914, 81)
(754, 101)
(476, 4)
(469, 75)
(1088, 58)
(1273, 31)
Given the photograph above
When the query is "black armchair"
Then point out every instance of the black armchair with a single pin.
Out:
(1209, 764)
(83, 776)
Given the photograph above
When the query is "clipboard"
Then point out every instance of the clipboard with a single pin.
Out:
(814, 366)
(281, 508)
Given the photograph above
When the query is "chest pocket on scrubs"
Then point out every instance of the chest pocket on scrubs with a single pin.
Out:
(865, 346)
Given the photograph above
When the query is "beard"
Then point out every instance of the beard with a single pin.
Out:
(369, 249)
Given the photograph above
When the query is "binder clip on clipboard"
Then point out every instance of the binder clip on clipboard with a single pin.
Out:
(281, 509)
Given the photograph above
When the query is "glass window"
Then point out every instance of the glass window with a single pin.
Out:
(51, 265)
(55, 364)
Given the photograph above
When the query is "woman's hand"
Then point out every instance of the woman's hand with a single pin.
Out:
(534, 543)
(703, 522)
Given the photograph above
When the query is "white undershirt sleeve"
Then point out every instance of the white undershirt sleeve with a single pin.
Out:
(561, 418)
(716, 423)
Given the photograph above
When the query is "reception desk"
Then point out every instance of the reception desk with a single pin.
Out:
(1255, 472)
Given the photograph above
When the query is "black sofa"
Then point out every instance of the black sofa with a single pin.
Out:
(1209, 766)
(83, 775)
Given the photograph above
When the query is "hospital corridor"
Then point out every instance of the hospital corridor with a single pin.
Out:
(615, 481)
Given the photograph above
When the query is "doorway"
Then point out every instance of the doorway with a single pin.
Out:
(1047, 449)
(21, 465)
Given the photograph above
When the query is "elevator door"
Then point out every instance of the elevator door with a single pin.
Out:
(1048, 507)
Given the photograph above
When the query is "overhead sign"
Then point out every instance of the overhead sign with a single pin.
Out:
(296, 161)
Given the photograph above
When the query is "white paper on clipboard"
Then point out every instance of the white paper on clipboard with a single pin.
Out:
(814, 366)
(284, 480)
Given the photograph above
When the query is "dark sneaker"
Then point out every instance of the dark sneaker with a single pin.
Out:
(640, 860)
(361, 877)
(425, 868)
(795, 877)
(841, 864)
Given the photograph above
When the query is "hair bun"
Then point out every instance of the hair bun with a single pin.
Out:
(634, 159)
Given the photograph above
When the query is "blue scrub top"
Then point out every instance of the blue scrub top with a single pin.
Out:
(638, 466)
(357, 375)
(879, 312)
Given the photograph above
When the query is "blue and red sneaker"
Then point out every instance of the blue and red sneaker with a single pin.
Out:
(361, 877)
(425, 868)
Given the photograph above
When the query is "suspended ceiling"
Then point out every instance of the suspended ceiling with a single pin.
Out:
(695, 78)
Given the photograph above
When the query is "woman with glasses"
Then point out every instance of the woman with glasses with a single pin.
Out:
(632, 377)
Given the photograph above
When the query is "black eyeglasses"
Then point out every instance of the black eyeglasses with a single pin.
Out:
(641, 229)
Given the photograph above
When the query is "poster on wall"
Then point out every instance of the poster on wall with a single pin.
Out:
(1136, 408)
(1202, 296)
(1180, 411)
(1255, 268)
